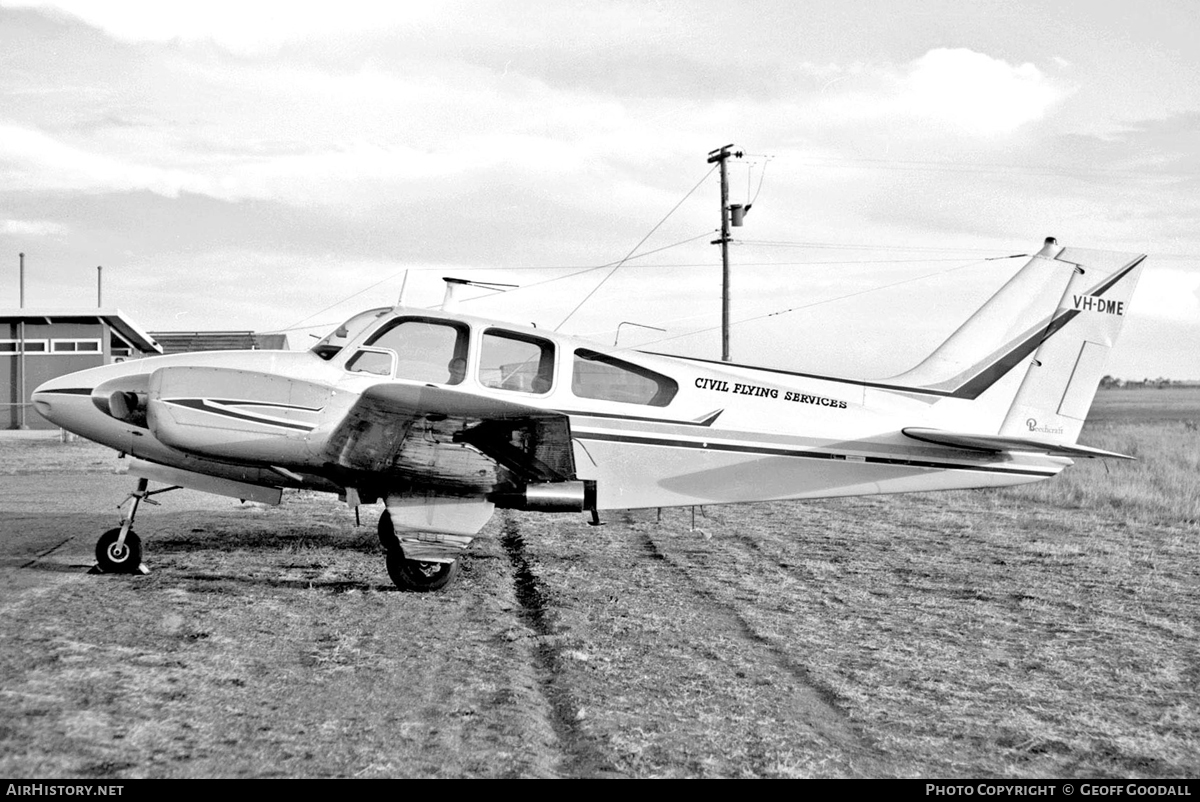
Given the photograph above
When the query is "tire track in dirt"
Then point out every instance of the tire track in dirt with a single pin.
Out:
(821, 713)
(46, 553)
(582, 756)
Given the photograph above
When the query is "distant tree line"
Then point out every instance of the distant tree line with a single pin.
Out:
(1113, 383)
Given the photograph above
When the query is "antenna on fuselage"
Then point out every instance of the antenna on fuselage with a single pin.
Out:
(631, 323)
(403, 284)
(450, 299)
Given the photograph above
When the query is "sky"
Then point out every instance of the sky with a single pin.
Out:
(281, 166)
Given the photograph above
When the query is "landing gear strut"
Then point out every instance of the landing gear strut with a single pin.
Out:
(420, 576)
(119, 550)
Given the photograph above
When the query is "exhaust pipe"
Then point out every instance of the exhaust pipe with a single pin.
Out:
(572, 496)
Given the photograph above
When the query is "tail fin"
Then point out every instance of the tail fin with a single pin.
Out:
(1068, 342)
(995, 339)
(1058, 388)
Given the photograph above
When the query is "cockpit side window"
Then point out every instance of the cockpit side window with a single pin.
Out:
(606, 378)
(518, 362)
(426, 350)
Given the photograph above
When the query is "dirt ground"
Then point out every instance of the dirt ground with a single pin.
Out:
(929, 635)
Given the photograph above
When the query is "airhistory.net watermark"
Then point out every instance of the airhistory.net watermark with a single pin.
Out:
(55, 789)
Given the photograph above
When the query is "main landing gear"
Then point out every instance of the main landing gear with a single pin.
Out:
(420, 576)
(119, 550)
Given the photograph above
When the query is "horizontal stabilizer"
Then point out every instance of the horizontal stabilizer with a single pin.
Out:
(997, 443)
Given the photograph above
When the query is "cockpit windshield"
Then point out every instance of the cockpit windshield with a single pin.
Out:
(337, 339)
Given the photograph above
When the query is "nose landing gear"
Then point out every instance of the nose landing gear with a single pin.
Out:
(119, 550)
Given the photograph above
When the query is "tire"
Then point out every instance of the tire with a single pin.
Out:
(387, 534)
(417, 576)
(125, 561)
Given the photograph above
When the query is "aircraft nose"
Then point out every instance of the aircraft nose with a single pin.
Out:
(58, 392)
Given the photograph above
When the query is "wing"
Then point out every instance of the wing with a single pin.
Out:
(432, 437)
(996, 443)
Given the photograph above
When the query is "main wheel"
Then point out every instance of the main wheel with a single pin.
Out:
(415, 575)
(387, 534)
(119, 560)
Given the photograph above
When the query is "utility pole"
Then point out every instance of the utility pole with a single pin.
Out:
(721, 155)
(21, 398)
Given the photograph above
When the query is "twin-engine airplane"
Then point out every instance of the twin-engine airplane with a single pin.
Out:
(445, 417)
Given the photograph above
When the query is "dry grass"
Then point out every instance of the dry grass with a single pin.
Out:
(1045, 630)
(1161, 486)
(1042, 631)
(46, 453)
(952, 638)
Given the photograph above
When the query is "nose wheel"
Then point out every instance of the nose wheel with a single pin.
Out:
(116, 557)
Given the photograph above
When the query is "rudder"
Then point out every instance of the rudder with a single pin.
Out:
(1057, 391)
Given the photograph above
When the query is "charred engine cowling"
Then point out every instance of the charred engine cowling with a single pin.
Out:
(572, 496)
(124, 398)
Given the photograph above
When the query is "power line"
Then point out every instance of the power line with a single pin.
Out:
(823, 301)
(904, 165)
(601, 267)
(841, 246)
(635, 247)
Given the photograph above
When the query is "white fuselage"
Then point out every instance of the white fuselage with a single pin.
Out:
(727, 434)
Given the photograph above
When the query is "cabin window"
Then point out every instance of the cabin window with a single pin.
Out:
(607, 378)
(367, 360)
(426, 350)
(517, 362)
(333, 342)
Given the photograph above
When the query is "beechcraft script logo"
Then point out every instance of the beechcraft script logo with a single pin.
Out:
(1032, 423)
(1090, 303)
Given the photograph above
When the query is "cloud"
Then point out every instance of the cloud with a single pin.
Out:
(32, 228)
(979, 93)
(32, 160)
(1168, 294)
(947, 90)
(247, 29)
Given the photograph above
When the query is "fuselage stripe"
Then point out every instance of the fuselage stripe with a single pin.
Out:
(787, 452)
(708, 419)
(275, 404)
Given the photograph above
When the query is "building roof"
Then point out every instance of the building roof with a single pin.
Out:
(179, 342)
(114, 317)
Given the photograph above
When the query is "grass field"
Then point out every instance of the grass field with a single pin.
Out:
(1146, 405)
(1041, 631)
